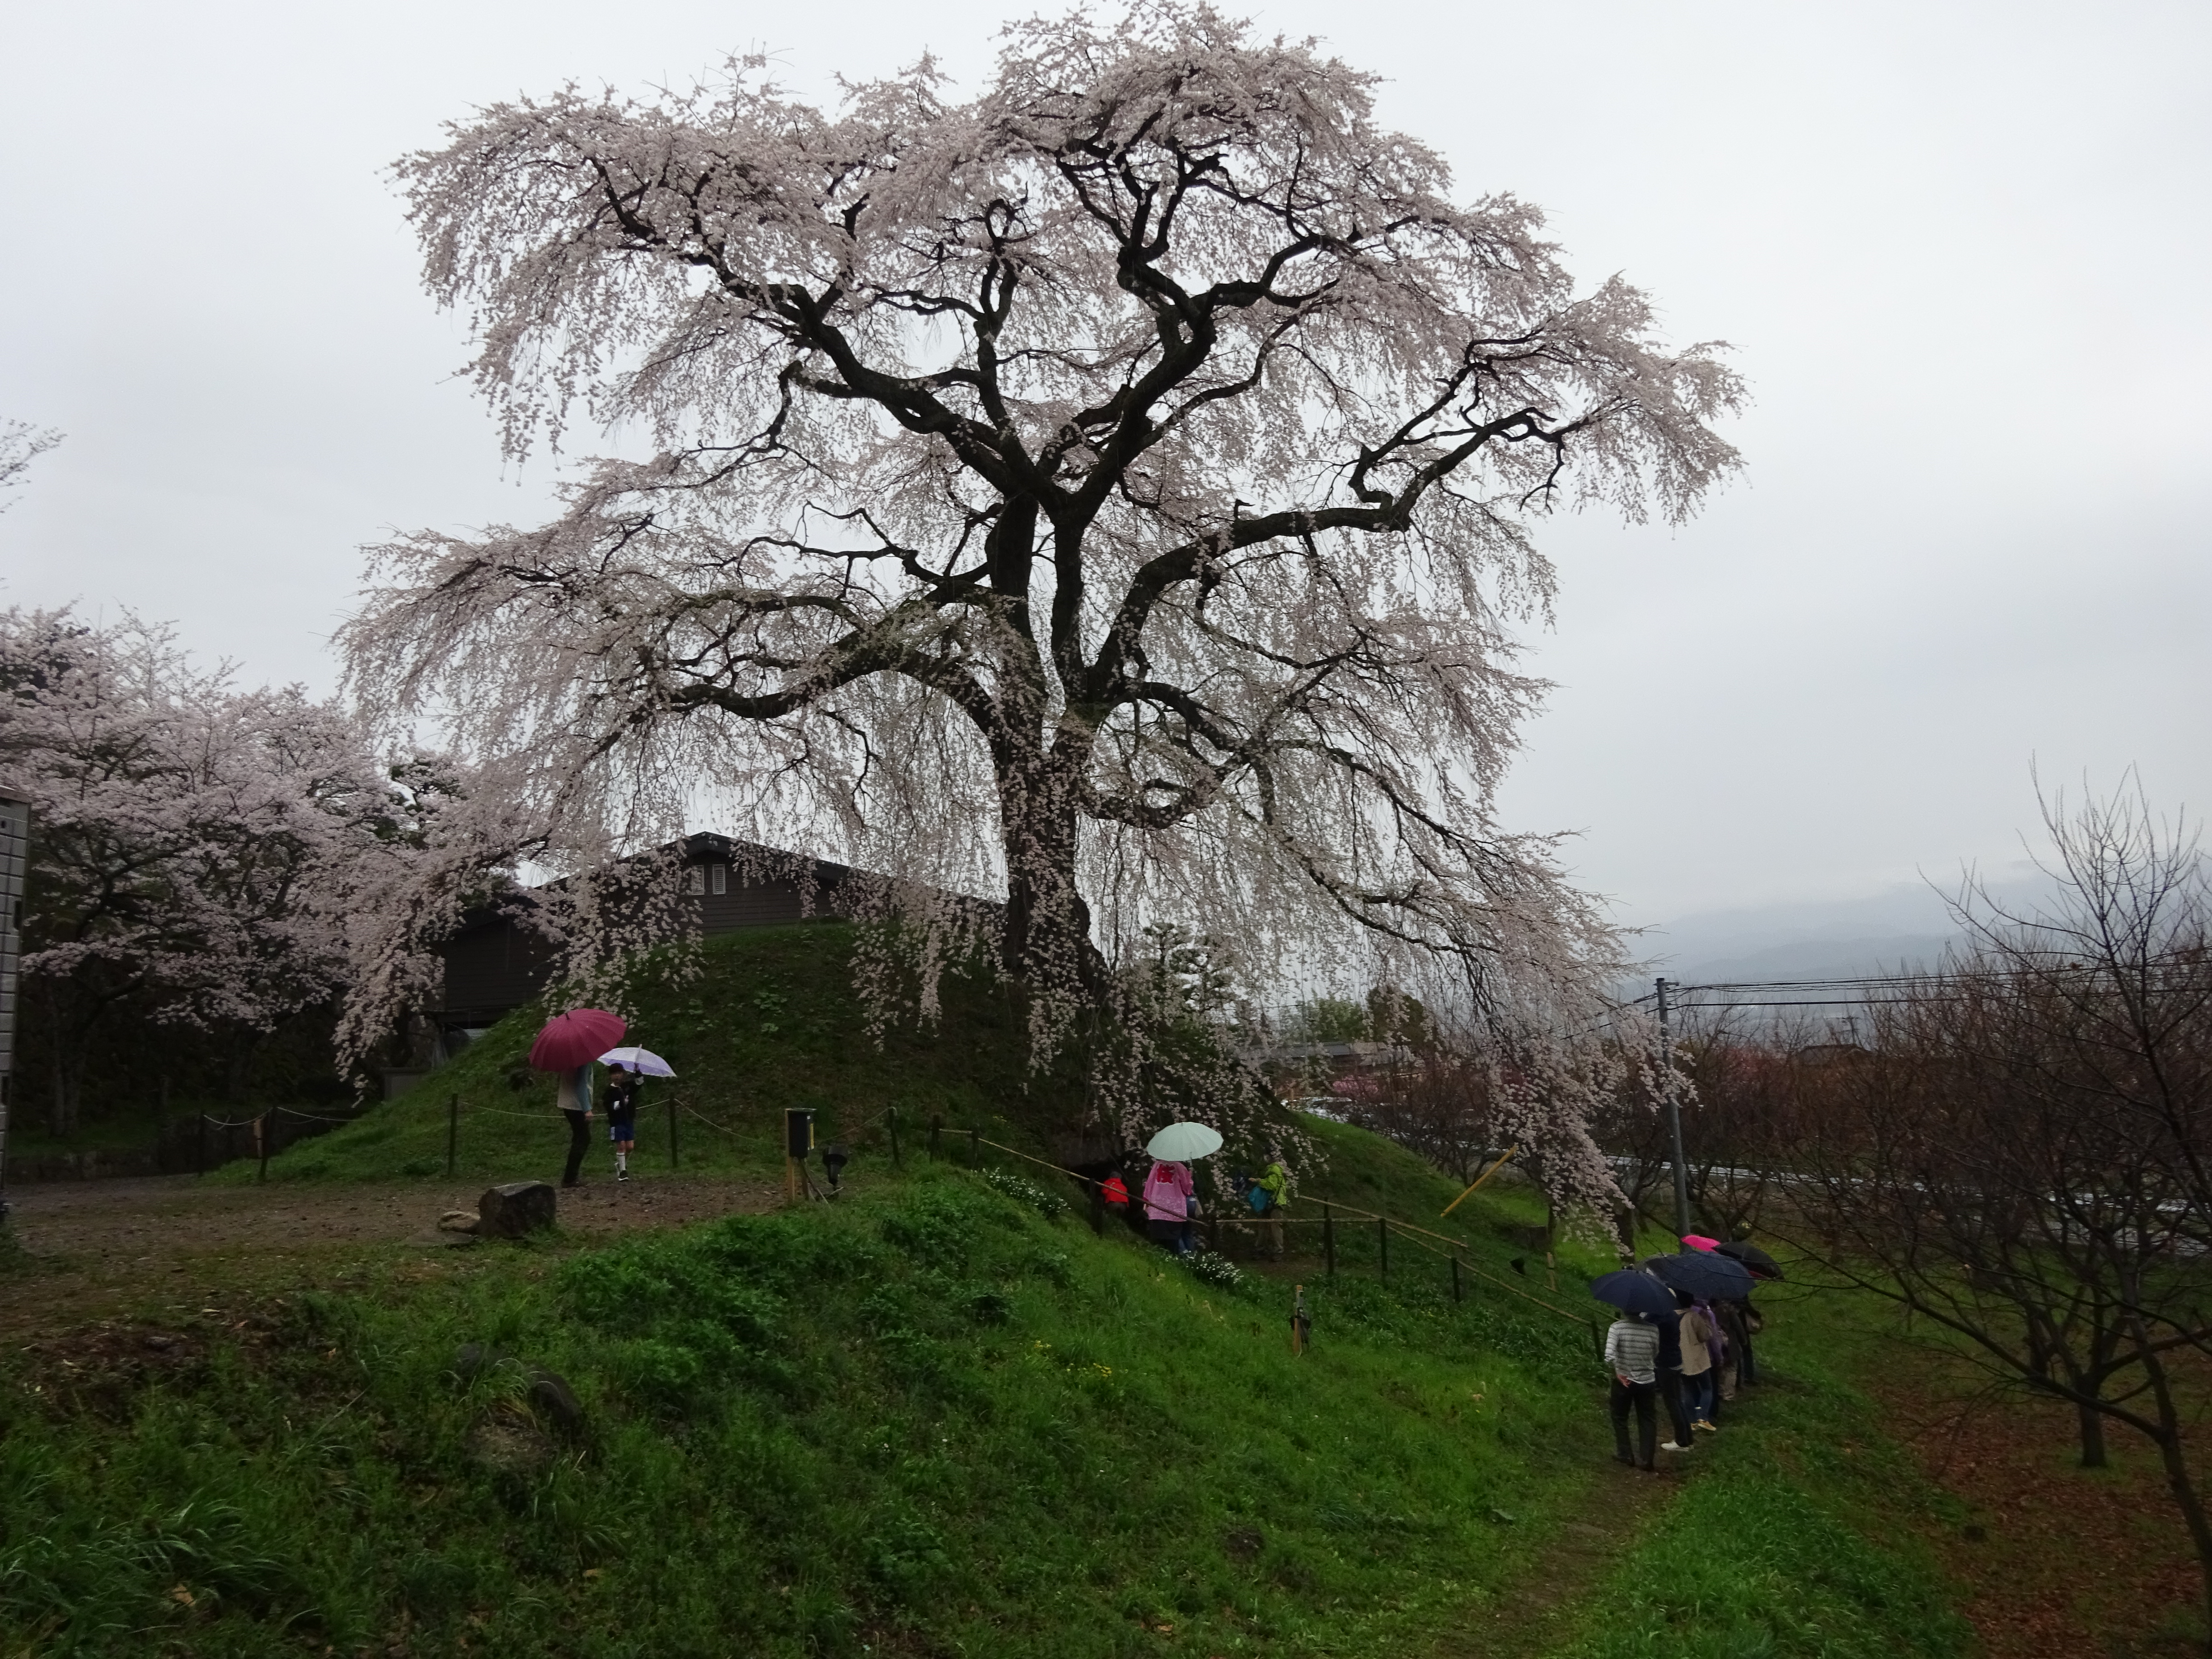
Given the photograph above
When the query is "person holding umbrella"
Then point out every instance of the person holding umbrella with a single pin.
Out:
(621, 1116)
(1699, 1332)
(630, 1066)
(1631, 1352)
(1168, 1192)
(1171, 1194)
(1740, 1320)
(1670, 1372)
(565, 1046)
(574, 1097)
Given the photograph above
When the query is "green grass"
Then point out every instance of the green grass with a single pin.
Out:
(928, 1420)
(938, 1418)
(1800, 1536)
(770, 1021)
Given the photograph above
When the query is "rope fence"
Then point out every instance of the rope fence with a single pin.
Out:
(1443, 1246)
(1414, 1235)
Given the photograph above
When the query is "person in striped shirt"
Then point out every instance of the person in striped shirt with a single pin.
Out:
(1631, 1349)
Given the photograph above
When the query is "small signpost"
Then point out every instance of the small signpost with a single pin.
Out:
(798, 1143)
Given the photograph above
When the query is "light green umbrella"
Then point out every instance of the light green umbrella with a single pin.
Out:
(1180, 1142)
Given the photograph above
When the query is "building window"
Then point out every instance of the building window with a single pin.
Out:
(695, 881)
(720, 883)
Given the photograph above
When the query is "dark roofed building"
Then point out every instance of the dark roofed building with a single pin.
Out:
(495, 963)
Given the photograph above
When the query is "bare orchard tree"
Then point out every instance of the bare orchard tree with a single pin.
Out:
(2023, 1160)
(1739, 1117)
(1113, 491)
(1439, 1103)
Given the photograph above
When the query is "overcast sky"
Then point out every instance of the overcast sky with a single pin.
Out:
(1962, 252)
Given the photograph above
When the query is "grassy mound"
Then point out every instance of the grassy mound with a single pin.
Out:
(939, 1417)
(770, 1021)
(934, 1419)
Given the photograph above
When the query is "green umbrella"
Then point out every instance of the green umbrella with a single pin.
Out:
(1180, 1142)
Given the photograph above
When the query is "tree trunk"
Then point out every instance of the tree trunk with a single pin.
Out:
(2175, 1456)
(62, 1111)
(2091, 1423)
(1048, 929)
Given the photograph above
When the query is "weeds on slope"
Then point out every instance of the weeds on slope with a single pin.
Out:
(932, 1421)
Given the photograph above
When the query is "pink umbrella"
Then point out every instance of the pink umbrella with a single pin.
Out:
(575, 1038)
(1699, 1241)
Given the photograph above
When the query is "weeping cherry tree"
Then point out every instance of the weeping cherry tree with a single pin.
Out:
(1110, 495)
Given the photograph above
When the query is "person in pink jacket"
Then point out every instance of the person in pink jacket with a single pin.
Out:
(1168, 1191)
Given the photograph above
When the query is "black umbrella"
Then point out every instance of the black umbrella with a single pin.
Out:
(1709, 1276)
(1762, 1265)
(1635, 1292)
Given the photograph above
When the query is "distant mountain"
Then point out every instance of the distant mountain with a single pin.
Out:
(1816, 959)
(1904, 927)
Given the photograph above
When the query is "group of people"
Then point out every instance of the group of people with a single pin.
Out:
(1692, 1361)
(624, 1085)
(1171, 1206)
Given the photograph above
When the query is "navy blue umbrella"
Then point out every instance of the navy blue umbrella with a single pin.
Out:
(1762, 1265)
(1703, 1275)
(1634, 1292)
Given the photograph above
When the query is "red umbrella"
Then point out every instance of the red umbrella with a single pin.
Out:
(572, 1039)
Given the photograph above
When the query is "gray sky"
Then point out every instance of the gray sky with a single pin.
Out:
(1962, 251)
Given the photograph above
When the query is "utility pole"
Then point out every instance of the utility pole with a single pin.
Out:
(1674, 1117)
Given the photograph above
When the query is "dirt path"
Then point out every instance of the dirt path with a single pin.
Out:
(1550, 1596)
(99, 1247)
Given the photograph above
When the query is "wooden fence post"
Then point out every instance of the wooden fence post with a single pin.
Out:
(1098, 1207)
(673, 1155)
(1328, 1238)
(892, 1117)
(1455, 1290)
(261, 1146)
(975, 1149)
(199, 1157)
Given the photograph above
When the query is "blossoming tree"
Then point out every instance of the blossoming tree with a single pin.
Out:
(1112, 493)
(194, 848)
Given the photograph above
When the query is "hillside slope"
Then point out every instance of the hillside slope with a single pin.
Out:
(769, 1021)
(939, 1418)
